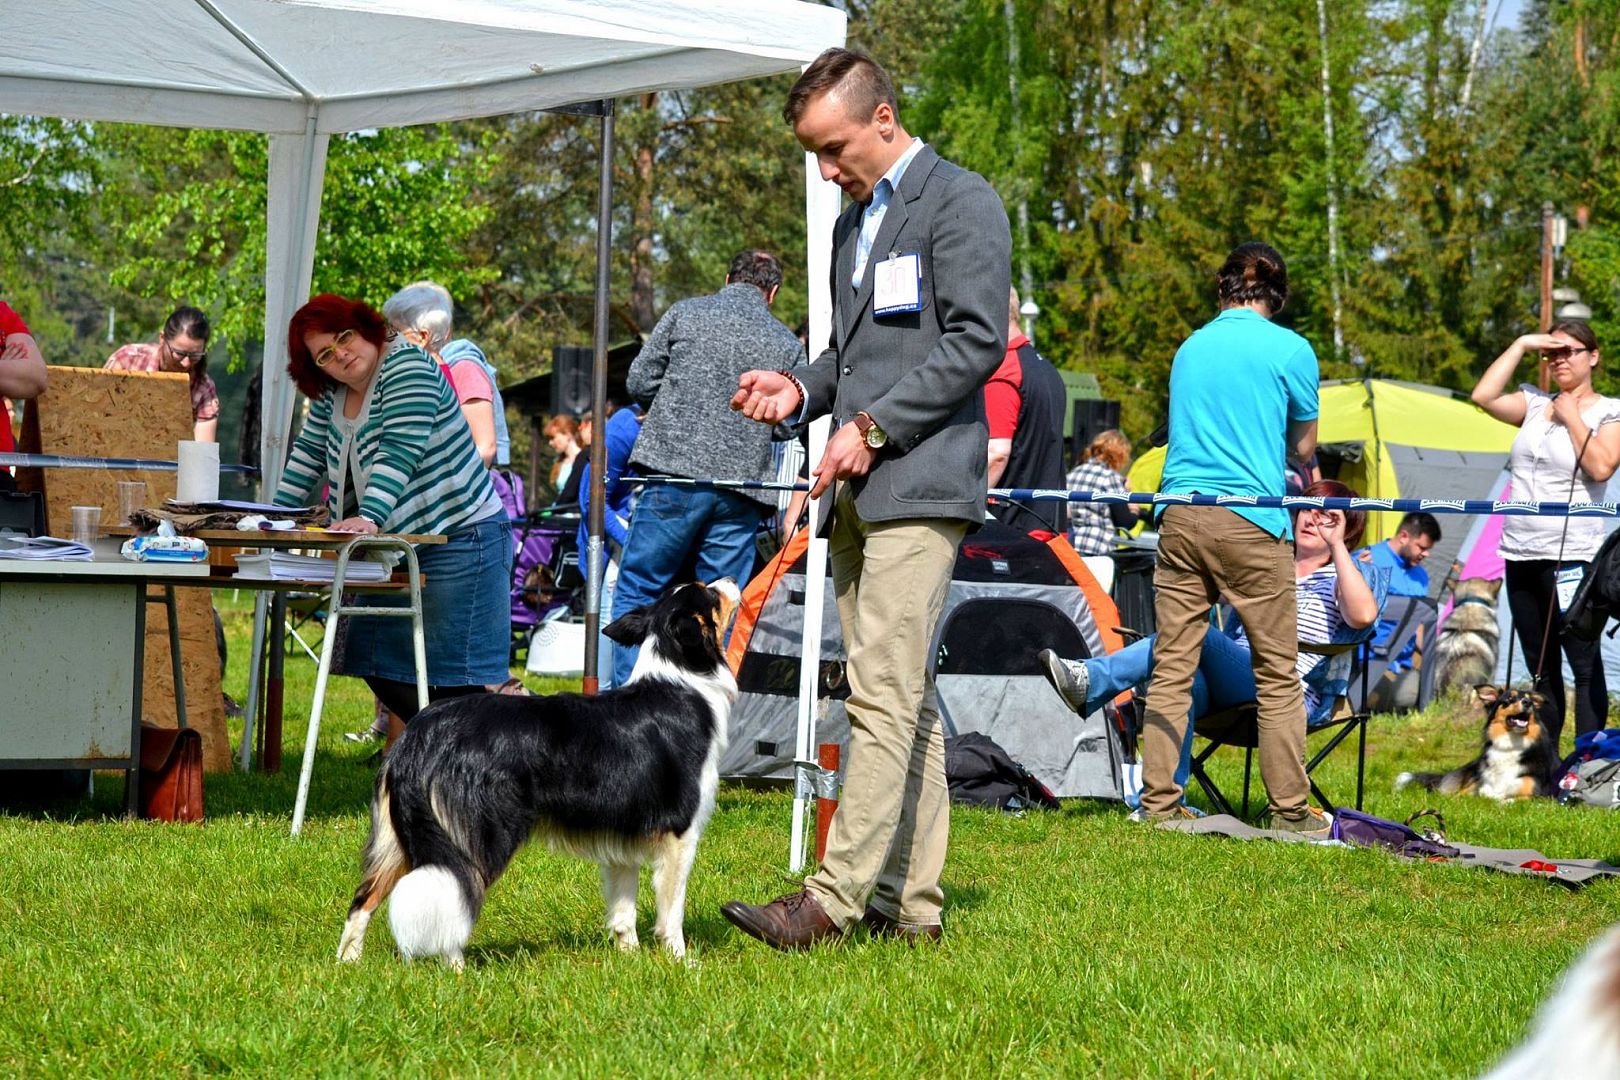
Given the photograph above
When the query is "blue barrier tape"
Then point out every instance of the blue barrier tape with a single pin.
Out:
(62, 461)
(1509, 508)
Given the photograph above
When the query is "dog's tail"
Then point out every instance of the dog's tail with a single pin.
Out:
(435, 905)
(1447, 783)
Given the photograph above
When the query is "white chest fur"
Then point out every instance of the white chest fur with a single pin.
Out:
(1499, 772)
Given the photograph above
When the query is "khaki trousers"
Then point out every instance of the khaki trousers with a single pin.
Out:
(1206, 553)
(888, 838)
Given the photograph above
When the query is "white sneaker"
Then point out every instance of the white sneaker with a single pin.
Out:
(371, 734)
(1068, 677)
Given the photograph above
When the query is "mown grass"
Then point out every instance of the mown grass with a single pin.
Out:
(1077, 944)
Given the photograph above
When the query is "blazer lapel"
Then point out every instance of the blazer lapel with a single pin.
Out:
(894, 219)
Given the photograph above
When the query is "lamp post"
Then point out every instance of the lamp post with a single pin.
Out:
(1030, 310)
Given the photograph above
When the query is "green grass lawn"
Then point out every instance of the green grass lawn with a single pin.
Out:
(1077, 944)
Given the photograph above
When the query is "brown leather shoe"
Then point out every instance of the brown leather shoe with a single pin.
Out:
(795, 921)
(880, 925)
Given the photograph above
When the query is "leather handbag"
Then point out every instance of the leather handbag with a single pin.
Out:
(171, 774)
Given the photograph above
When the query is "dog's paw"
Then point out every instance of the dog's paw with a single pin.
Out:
(351, 943)
(1403, 780)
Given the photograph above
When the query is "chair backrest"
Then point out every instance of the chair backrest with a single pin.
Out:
(1409, 614)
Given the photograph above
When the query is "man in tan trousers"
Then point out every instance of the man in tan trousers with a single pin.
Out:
(921, 264)
(1243, 391)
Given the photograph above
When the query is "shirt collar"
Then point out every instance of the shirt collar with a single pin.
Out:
(896, 171)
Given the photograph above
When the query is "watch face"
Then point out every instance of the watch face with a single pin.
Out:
(875, 437)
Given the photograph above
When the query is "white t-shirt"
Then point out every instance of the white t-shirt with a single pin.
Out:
(1540, 464)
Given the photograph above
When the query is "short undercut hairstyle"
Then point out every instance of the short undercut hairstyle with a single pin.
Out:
(1420, 524)
(757, 268)
(860, 80)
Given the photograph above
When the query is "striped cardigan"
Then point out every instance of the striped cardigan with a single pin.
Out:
(425, 472)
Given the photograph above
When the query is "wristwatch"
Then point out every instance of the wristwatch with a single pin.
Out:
(874, 436)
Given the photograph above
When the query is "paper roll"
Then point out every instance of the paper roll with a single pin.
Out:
(199, 472)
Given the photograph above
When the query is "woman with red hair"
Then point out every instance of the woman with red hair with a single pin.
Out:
(387, 438)
(1332, 593)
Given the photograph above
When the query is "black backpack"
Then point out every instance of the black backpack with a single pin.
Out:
(1598, 598)
(980, 773)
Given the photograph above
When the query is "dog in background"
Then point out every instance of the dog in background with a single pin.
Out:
(1517, 760)
(1465, 648)
(1577, 1035)
(622, 778)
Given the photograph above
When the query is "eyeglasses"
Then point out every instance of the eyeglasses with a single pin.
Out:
(194, 357)
(328, 354)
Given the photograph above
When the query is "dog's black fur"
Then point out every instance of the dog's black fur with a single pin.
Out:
(1518, 758)
(623, 777)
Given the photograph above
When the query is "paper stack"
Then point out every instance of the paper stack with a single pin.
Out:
(285, 566)
(43, 548)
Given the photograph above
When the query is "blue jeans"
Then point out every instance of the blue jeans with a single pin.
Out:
(1225, 677)
(670, 526)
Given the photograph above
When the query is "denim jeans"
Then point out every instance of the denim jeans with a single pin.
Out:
(670, 527)
(1225, 677)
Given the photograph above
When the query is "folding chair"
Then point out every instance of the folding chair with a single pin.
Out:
(305, 610)
(1410, 614)
(1238, 725)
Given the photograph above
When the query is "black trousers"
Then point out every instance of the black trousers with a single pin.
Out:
(1532, 593)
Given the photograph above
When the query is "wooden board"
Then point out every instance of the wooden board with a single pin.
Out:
(88, 412)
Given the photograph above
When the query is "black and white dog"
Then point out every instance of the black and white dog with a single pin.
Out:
(622, 778)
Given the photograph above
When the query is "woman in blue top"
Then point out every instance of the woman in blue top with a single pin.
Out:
(1330, 590)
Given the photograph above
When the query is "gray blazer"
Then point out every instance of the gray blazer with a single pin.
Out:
(919, 374)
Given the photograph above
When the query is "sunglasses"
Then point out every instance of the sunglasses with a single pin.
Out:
(1563, 354)
(194, 357)
(328, 354)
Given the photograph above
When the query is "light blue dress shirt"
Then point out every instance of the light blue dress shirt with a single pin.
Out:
(872, 216)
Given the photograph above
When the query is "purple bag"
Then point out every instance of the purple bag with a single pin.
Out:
(1364, 830)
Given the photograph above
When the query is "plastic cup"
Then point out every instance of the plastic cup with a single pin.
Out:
(131, 497)
(86, 524)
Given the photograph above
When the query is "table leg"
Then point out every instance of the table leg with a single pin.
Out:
(132, 775)
(174, 658)
(255, 670)
(275, 684)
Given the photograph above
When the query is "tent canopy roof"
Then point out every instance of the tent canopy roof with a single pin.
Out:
(272, 65)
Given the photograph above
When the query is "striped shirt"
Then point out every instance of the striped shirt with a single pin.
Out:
(406, 462)
(1317, 598)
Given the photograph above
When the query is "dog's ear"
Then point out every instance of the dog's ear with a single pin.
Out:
(1496, 587)
(1487, 694)
(631, 628)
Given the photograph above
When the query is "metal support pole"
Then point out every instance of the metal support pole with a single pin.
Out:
(596, 513)
(1546, 279)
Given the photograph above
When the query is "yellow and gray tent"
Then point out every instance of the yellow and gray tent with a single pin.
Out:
(1397, 440)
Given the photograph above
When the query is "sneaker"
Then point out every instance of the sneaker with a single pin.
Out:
(371, 734)
(1314, 823)
(1068, 677)
(1178, 813)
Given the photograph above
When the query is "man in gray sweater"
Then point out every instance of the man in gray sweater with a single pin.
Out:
(685, 373)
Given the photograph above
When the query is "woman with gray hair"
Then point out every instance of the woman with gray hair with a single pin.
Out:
(423, 314)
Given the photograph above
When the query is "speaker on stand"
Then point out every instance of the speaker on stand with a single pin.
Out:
(571, 380)
(1092, 417)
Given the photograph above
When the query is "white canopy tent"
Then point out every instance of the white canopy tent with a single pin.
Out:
(301, 70)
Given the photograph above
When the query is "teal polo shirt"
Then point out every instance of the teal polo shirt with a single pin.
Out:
(1234, 386)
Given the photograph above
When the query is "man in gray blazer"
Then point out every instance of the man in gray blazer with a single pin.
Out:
(920, 279)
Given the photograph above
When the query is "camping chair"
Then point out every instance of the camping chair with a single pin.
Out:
(1239, 724)
(1410, 614)
(305, 611)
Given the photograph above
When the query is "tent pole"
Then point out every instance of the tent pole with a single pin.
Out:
(821, 202)
(596, 513)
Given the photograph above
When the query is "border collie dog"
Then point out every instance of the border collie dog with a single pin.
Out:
(623, 778)
(1517, 760)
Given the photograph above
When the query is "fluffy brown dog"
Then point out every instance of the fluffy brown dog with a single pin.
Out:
(1517, 760)
(1465, 650)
